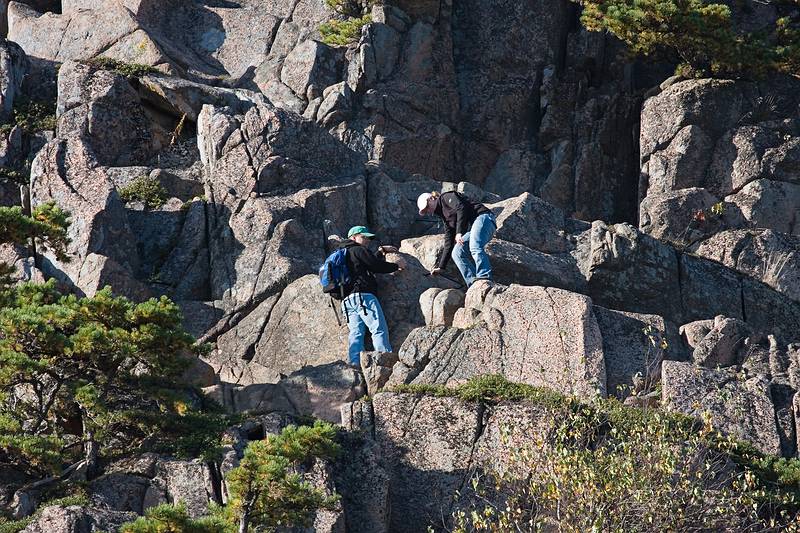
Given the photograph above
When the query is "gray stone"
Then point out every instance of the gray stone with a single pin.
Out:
(282, 96)
(311, 63)
(190, 482)
(770, 257)
(336, 105)
(694, 332)
(682, 164)
(13, 67)
(75, 519)
(738, 407)
(535, 335)
(514, 263)
(424, 442)
(530, 221)
(631, 271)
(102, 108)
(671, 216)
(318, 391)
(377, 368)
(767, 204)
(723, 344)
(632, 349)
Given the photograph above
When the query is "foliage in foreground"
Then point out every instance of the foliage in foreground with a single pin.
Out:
(269, 488)
(698, 33)
(81, 375)
(337, 32)
(607, 467)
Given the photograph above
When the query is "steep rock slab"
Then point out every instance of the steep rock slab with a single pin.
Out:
(771, 257)
(13, 67)
(282, 335)
(426, 446)
(535, 335)
(317, 391)
(102, 249)
(272, 180)
(737, 140)
(741, 408)
(102, 108)
(632, 349)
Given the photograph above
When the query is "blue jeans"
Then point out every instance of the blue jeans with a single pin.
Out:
(472, 261)
(363, 311)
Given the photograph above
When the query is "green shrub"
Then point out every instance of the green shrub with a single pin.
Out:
(343, 32)
(32, 116)
(129, 70)
(609, 467)
(699, 34)
(144, 189)
(168, 518)
(267, 489)
(88, 369)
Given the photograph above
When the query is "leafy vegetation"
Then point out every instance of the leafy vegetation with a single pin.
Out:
(83, 376)
(701, 35)
(337, 32)
(608, 467)
(144, 189)
(32, 116)
(168, 518)
(15, 526)
(129, 70)
(267, 490)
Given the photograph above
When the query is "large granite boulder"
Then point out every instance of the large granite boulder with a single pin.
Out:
(75, 519)
(771, 257)
(536, 335)
(736, 405)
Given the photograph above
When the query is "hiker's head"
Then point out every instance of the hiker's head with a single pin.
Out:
(360, 234)
(426, 203)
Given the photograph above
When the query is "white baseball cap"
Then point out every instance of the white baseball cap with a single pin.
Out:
(422, 201)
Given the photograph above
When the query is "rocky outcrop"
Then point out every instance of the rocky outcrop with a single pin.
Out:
(75, 519)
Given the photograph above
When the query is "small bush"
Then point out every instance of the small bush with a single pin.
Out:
(168, 518)
(32, 116)
(608, 467)
(343, 32)
(699, 34)
(144, 189)
(129, 70)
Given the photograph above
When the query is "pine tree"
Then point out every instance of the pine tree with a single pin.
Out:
(267, 488)
(700, 34)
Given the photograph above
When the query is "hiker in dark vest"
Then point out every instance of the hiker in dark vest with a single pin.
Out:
(360, 305)
(469, 227)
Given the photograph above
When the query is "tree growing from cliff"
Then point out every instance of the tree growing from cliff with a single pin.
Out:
(268, 489)
(702, 35)
(81, 374)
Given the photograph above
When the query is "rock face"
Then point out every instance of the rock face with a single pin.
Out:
(268, 144)
(76, 519)
(737, 407)
(734, 143)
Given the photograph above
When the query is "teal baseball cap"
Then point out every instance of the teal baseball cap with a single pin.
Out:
(359, 230)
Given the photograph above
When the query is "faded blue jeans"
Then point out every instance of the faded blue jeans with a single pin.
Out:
(470, 257)
(363, 310)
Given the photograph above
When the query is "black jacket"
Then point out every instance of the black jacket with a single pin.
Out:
(363, 265)
(458, 213)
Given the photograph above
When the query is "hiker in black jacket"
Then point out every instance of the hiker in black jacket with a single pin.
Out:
(469, 227)
(360, 305)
